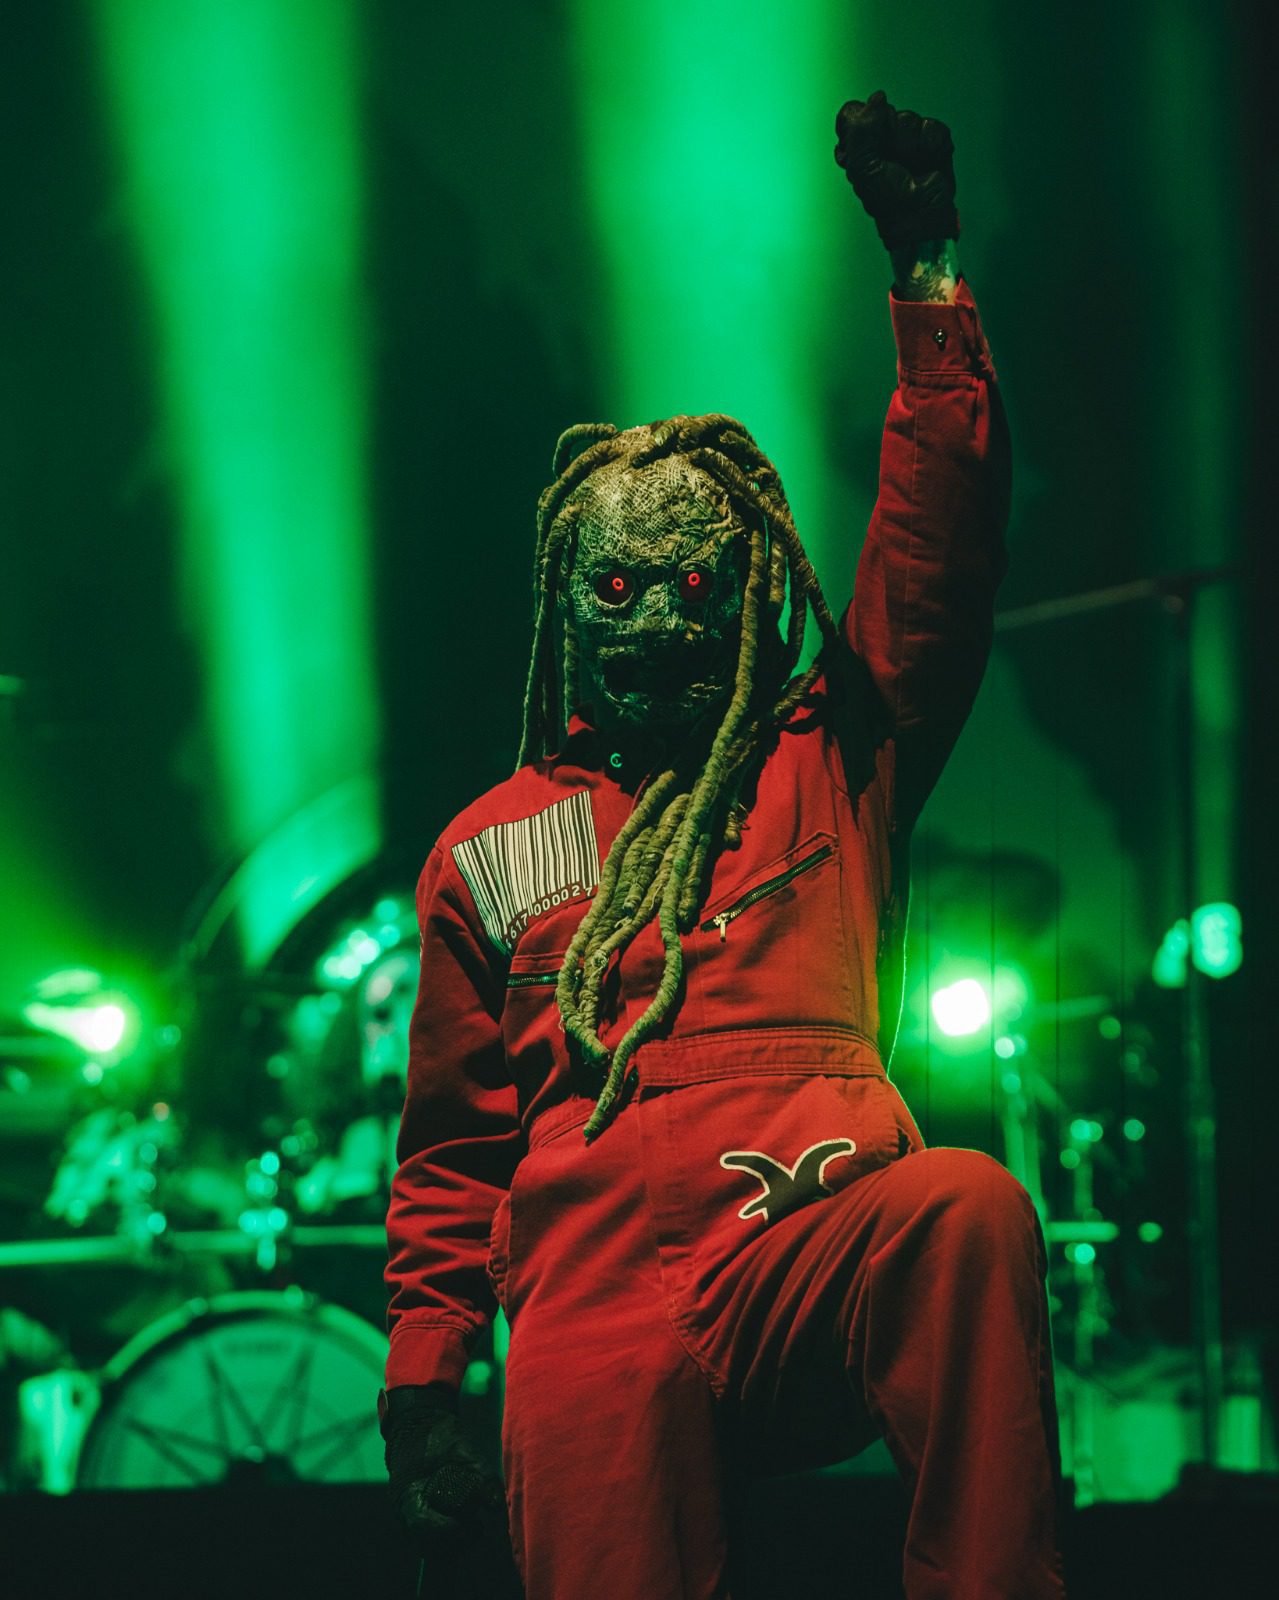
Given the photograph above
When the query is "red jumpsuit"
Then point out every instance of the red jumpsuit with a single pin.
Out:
(757, 1266)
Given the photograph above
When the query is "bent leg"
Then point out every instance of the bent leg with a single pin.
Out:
(950, 1341)
(920, 1288)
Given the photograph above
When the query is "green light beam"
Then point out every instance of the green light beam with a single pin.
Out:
(707, 131)
(238, 129)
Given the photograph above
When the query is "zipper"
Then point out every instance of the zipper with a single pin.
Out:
(762, 890)
(527, 980)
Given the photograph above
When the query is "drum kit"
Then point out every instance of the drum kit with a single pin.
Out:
(196, 1296)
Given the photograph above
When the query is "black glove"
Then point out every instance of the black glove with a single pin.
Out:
(901, 170)
(442, 1491)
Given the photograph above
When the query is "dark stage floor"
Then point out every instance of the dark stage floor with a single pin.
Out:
(809, 1537)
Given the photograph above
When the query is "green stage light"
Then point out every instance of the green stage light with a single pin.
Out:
(967, 996)
(238, 127)
(1169, 966)
(961, 1008)
(1218, 939)
(1215, 935)
(478, 1377)
(103, 1028)
(1084, 1130)
(76, 1004)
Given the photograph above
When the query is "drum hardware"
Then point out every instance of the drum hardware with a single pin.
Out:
(109, 1248)
(1026, 1094)
(1069, 1231)
(112, 1159)
(264, 1219)
(255, 1388)
(359, 1170)
(53, 1411)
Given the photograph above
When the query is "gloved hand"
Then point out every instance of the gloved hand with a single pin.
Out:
(900, 167)
(442, 1491)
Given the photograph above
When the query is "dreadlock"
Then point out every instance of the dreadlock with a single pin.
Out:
(659, 864)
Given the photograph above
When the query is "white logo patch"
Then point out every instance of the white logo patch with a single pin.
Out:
(786, 1188)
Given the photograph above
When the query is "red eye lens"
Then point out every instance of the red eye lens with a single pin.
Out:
(614, 588)
(695, 583)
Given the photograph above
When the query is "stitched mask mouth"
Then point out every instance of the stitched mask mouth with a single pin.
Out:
(665, 674)
(622, 675)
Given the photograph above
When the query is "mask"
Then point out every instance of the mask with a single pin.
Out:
(656, 590)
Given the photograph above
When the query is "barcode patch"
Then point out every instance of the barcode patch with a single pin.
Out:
(517, 870)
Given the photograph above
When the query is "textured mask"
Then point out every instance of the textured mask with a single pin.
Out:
(656, 592)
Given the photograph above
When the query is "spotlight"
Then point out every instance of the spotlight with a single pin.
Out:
(1213, 938)
(76, 1004)
(961, 1008)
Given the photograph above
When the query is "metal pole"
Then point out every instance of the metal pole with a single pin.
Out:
(1199, 1100)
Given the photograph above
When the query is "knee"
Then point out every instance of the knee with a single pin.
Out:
(965, 1192)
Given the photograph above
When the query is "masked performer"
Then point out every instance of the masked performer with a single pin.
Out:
(647, 1107)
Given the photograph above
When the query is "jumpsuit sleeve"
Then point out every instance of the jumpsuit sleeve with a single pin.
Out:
(922, 612)
(459, 1142)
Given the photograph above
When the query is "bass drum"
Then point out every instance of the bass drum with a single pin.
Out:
(241, 1390)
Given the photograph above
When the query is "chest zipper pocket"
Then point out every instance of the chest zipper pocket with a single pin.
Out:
(761, 891)
(533, 980)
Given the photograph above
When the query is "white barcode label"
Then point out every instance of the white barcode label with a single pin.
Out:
(517, 870)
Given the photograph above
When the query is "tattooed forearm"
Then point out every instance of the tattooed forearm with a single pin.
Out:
(926, 271)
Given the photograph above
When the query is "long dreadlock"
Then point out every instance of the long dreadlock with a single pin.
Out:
(659, 864)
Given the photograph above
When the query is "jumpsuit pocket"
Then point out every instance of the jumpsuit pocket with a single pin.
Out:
(804, 861)
(772, 950)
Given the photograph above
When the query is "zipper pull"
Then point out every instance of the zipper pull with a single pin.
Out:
(721, 922)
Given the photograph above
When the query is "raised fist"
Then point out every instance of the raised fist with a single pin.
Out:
(900, 167)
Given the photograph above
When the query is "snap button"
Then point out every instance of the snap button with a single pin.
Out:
(939, 338)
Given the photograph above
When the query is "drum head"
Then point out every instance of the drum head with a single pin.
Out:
(243, 1389)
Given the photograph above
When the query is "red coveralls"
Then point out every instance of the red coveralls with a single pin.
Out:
(757, 1266)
